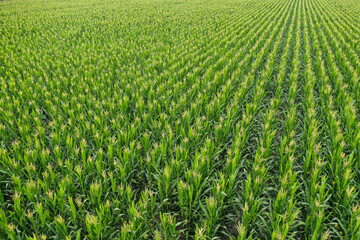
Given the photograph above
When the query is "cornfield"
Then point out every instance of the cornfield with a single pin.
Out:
(177, 119)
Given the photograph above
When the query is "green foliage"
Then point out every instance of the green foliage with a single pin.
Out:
(174, 120)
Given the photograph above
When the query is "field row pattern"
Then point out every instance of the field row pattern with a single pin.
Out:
(230, 119)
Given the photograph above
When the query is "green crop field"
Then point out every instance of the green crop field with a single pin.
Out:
(179, 119)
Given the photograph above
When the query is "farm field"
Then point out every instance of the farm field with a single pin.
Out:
(177, 119)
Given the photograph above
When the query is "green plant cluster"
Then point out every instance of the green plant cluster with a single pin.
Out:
(165, 119)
